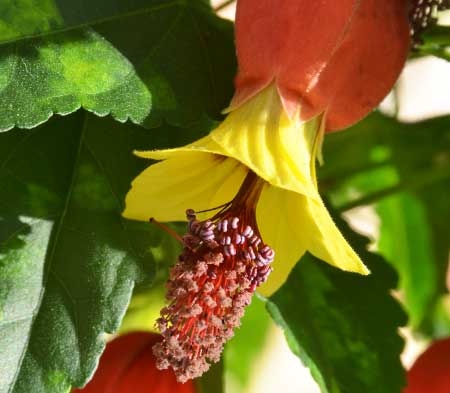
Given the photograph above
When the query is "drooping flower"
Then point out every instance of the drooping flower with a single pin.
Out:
(129, 366)
(431, 371)
(249, 188)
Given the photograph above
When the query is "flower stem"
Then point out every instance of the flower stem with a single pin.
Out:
(329, 182)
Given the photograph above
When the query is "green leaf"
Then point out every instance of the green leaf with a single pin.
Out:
(59, 75)
(404, 171)
(165, 60)
(68, 260)
(21, 19)
(405, 239)
(440, 317)
(33, 18)
(344, 327)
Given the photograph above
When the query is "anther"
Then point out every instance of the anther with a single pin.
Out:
(261, 261)
(225, 225)
(194, 226)
(237, 238)
(208, 225)
(230, 250)
(255, 241)
(234, 222)
(248, 231)
(190, 214)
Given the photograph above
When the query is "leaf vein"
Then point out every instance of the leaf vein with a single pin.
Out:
(51, 255)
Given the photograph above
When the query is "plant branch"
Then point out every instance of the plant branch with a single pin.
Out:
(331, 181)
(419, 182)
(225, 4)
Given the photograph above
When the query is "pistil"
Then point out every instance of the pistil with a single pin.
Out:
(223, 261)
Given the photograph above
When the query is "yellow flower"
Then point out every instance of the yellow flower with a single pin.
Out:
(258, 137)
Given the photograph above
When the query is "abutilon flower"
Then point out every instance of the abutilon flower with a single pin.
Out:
(431, 371)
(249, 188)
(129, 366)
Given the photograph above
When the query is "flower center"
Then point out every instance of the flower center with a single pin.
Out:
(223, 261)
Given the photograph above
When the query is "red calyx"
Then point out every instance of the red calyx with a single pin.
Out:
(339, 57)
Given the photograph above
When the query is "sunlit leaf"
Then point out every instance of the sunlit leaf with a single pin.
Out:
(165, 60)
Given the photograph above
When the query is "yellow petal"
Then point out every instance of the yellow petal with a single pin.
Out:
(186, 180)
(277, 225)
(278, 149)
(260, 135)
(292, 224)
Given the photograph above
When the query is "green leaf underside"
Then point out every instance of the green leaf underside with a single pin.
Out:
(68, 261)
(344, 326)
(171, 60)
(411, 162)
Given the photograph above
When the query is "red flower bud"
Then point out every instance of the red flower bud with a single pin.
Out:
(128, 366)
(340, 57)
(431, 371)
